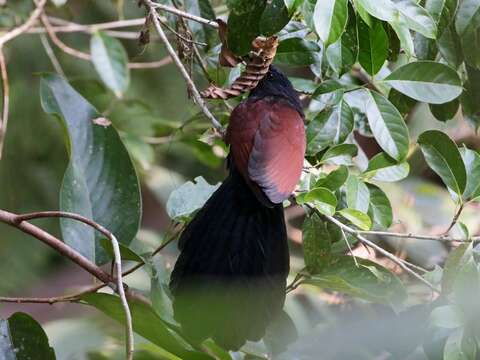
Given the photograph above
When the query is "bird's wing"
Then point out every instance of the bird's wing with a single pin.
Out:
(268, 146)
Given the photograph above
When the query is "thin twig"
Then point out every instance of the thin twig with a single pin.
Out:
(77, 296)
(382, 251)
(455, 218)
(51, 55)
(117, 255)
(5, 101)
(419, 236)
(150, 6)
(26, 25)
(181, 13)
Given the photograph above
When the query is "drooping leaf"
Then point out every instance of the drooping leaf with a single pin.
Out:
(146, 323)
(383, 168)
(369, 281)
(426, 81)
(189, 197)
(100, 182)
(470, 99)
(373, 46)
(400, 27)
(125, 252)
(322, 199)
(22, 338)
(387, 126)
(296, 52)
(110, 60)
(471, 47)
(317, 243)
(471, 159)
(380, 209)
(357, 218)
(330, 18)
(244, 24)
(443, 157)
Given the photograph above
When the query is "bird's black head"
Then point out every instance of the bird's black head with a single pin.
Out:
(276, 84)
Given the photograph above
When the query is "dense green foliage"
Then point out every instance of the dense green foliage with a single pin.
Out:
(373, 74)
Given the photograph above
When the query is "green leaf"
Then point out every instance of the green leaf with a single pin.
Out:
(160, 291)
(380, 209)
(357, 194)
(317, 243)
(468, 16)
(387, 126)
(22, 338)
(400, 27)
(357, 218)
(146, 323)
(274, 17)
(450, 47)
(383, 168)
(330, 18)
(453, 348)
(340, 154)
(188, 198)
(244, 25)
(100, 182)
(334, 180)
(125, 252)
(470, 99)
(445, 112)
(417, 18)
(202, 32)
(381, 9)
(331, 126)
(306, 86)
(443, 12)
(426, 81)
(322, 199)
(471, 47)
(369, 281)
(373, 46)
(296, 52)
(111, 62)
(460, 256)
(471, 159)
(443, 157)
(447, 316)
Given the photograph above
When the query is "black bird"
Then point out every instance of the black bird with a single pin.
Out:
(229, 280)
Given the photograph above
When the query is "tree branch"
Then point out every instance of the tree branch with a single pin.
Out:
(150, 6)
(5, 101)
(181, 13)
(444, 238)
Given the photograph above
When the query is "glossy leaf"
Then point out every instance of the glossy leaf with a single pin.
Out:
(380, 209)
(471, 159)
(400, 27)
(296, 52)
(417, 18)
(426, 81)
(443, 157)
(383, 168)
(317, 243)
(471, 47)
(146, 323)
(334, 180)
(340, 154)
(189, 197)
(111, 62)
(322, 199)
(373, 46)
(22, 338)
(381, 9)
(445, 112)
(330, 18)
(244, 24)
(357, 194)
(387, 126)
(329, 127)
(369, 281)
(357, 218)
(468, 16)
(100, 182)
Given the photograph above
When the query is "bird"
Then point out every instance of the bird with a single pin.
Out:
(229, 281)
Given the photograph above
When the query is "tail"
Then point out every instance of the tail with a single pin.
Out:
(229, 281)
